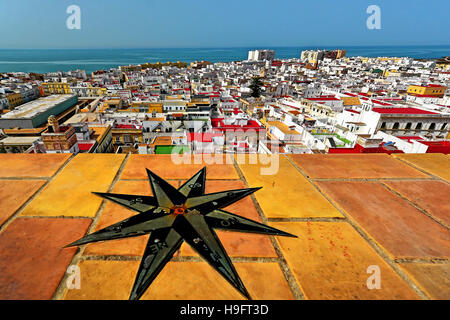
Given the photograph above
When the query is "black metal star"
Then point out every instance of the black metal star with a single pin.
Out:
(172, 216)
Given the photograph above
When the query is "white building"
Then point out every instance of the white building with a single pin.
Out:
(261, 55)
(4, 104)
(396, 121)
(174, 105)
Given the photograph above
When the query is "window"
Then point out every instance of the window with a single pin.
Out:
(408, 126)
(443, 126)
(396, 125)
(383, 125)
(419, 126)
(432, 126)
(127, 138)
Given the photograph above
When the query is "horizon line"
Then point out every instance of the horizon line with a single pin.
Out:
(230, 47)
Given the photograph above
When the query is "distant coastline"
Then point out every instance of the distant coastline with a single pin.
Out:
(52, 60)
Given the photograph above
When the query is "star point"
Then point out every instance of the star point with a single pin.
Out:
(173, 216)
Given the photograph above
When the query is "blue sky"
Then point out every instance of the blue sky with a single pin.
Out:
(231, 23)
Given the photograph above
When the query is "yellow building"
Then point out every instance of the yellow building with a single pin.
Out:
(129, 68)
(148, 107)
(126, 137)
(395, 60)
(174, 97)
(56, 88)
(277, 130)
(444, 66)
(430, 90)
(159, 65)
(199, 64)
(98, 91)
(103, 135)
(392, 73)
(131, 87)
(14, 100)
(341, 54)
(113, 102)
(89, 91)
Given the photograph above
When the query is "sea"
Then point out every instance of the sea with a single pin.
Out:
(52, 60)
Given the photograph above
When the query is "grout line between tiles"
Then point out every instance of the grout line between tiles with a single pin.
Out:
(109, 258)
(292, 282)
(56, 217)
(177, 258)
(208, 179)
(61, 290)
(335, 219)
(415, 260)
(422, 170)
(366, 237)
(373, 179)
(294, 285)
(25, 178)
(38, 191)
(425, 212)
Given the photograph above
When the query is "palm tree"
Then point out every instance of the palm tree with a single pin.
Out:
(255, 86)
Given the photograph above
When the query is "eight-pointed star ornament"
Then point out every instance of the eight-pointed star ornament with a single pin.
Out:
(172, 216)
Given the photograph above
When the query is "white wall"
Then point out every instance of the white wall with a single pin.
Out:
(404, 145)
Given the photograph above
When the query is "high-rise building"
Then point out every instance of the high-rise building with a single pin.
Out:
(313, 56)
(261, 55)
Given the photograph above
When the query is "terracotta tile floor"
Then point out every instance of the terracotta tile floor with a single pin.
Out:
(436, 164)
(404, 231)
(352, 215)
(341, 166)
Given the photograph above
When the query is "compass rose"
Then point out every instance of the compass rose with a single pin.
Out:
(172, 216)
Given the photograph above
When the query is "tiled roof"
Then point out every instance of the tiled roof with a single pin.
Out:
(350, 212)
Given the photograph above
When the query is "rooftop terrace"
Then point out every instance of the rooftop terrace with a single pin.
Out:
(33, 108)
(349, 212)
